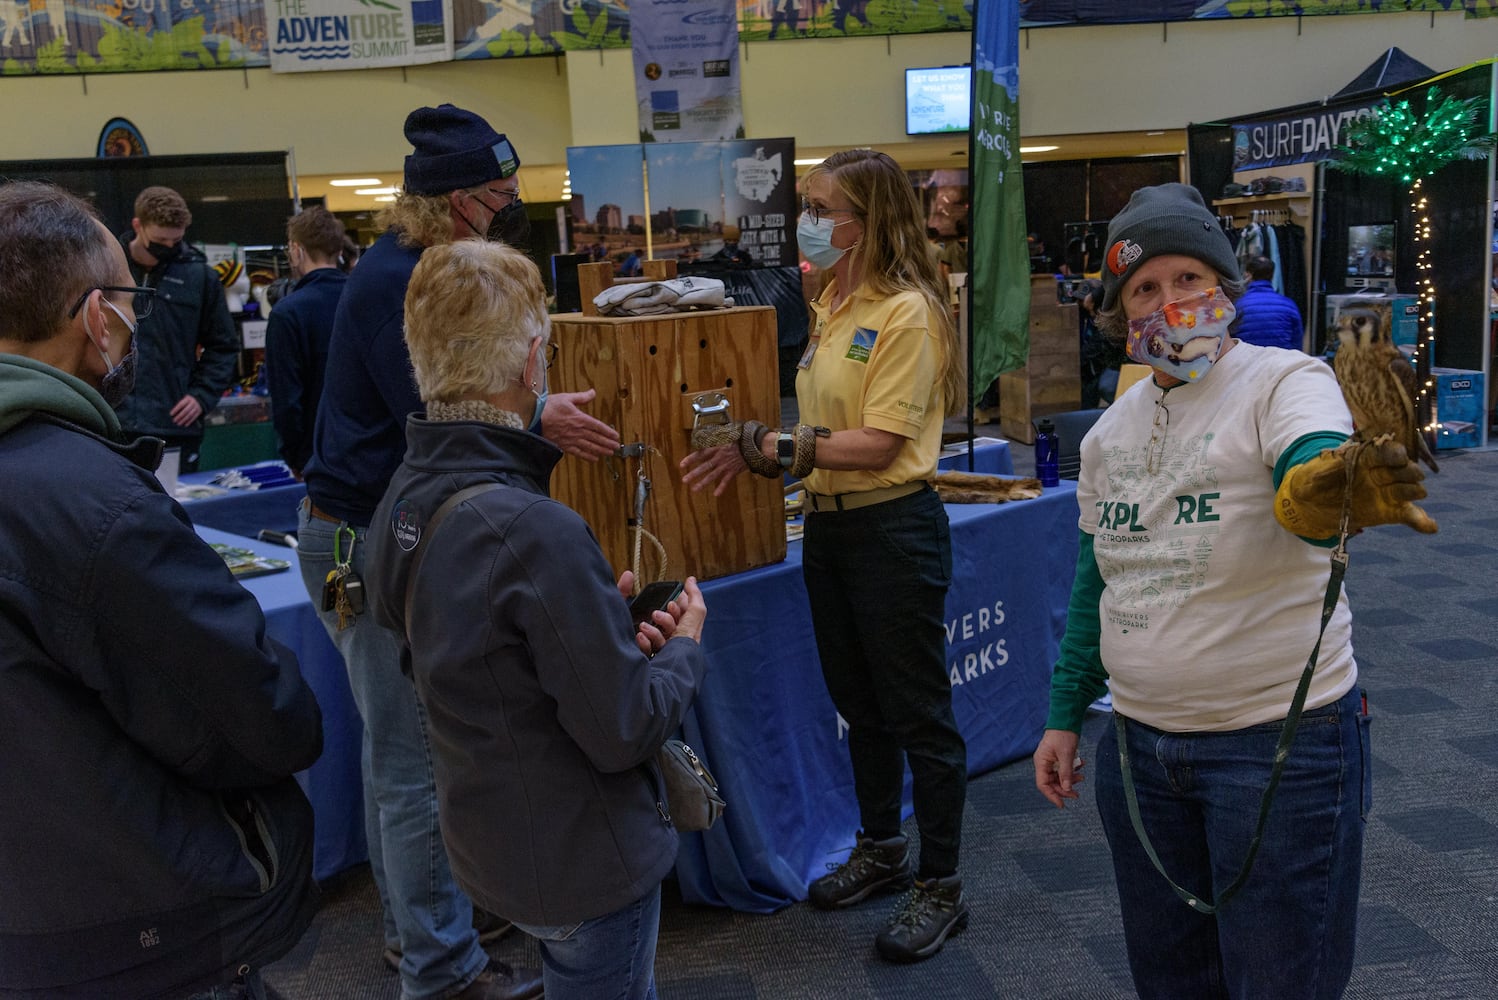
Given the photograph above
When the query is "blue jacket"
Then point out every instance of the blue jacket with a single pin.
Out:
(190, 314)
(544, 717)
(296, 356)
(369, 389)
(152, 837)
(1267, 318)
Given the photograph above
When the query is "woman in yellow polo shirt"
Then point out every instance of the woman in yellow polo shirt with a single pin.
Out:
(881, 370)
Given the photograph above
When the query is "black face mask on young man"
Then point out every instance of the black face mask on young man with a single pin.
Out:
(164, 252)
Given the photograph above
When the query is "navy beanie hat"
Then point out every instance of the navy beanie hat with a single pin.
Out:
(455, 149)
(1167, 219)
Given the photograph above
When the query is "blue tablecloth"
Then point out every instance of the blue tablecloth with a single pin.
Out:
(333, 784)
(768, 731)
(246, 512)
(764, 721)
(243, 512)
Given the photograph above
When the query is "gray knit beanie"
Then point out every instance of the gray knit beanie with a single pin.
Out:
(1168, 219)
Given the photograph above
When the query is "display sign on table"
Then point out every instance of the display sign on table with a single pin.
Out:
(706, 200)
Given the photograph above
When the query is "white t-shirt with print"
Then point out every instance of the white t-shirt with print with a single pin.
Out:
(1210, 608)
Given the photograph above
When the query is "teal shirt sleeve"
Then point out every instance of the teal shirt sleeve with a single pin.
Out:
(1079, 678)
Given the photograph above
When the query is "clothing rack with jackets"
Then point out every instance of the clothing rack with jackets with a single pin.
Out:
(1272, 233)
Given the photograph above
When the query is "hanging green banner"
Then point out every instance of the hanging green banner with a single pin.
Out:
(998, 261)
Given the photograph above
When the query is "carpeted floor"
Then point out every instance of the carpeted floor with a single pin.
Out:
(1045, 912)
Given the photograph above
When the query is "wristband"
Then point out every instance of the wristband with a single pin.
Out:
(751, 434)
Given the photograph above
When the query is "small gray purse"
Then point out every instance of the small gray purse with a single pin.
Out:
(691, 791)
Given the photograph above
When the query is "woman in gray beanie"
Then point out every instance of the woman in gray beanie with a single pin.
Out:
(1208, 494)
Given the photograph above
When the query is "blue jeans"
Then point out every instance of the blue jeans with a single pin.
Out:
(611, 957)
(1289, 932)
(877, 580)
(426, 915)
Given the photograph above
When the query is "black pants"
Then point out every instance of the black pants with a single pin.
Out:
(878, 578)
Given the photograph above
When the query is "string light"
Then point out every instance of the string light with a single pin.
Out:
(1395, 142)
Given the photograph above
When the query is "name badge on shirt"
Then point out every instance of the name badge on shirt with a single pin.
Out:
(806, 356)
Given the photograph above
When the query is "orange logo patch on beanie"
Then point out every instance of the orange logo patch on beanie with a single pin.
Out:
(1122, 254)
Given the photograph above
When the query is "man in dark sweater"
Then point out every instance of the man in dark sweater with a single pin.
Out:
(1265, 317)
(153, 842)
(300, 327)
(460, 182)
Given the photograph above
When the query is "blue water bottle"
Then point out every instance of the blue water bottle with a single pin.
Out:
(1047, 459)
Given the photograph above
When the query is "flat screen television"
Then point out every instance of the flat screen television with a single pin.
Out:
(1370, 251)
(938, 99)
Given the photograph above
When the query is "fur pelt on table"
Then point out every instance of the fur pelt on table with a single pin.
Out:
(968, 487)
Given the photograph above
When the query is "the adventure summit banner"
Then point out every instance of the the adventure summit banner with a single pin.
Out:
(357, 34)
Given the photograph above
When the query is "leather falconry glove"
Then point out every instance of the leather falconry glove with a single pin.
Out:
(1385, 486)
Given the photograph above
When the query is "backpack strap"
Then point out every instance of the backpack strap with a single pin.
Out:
(467, 493)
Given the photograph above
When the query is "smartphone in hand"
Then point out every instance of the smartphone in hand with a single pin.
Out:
(653, 597)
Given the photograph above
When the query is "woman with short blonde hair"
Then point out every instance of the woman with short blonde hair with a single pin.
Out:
(545, 702)
(473, 309)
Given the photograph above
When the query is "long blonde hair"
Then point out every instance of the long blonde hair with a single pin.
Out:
(895, 254)
(423, 220)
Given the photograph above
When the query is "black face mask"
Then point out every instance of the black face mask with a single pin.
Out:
(164, 252)
(510, 226)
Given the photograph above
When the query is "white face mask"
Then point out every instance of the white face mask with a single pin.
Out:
(1184, 338)
(815, 239)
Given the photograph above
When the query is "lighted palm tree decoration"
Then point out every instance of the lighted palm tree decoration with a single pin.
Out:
(1396, 142)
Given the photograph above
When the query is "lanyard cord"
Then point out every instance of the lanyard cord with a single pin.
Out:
(1281, 751)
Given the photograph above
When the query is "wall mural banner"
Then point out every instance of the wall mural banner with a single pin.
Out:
(999, 262)
(309, 35)
(494, 29)
(1036, 13)
(761, 20)
(129, 36)
(137, 36)
(686, 70)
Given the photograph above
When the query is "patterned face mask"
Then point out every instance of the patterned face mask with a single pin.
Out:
(1183, 338)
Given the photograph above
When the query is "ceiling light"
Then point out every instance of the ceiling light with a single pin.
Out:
(386, 197)
(353, 182)
(1154, 133)
(807, 163)
(214, 197)
(383, 190)
(1037, 149)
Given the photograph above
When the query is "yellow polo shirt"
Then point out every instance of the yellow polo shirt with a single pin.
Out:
(874, 362)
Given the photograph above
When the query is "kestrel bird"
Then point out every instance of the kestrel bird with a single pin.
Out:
(1379, 384)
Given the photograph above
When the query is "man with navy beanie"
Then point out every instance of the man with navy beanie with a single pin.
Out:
(460, 182)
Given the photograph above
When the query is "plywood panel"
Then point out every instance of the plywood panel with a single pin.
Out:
(646, 371)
